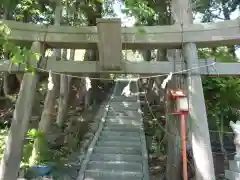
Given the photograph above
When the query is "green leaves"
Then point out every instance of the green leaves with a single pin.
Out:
(3, 135)
(139, 9)
(100, 1)
(4, 30)
(222, 97)
(221, 94)
(32, 133)
(18, 55)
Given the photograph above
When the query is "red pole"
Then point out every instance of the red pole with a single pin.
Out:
(184, 145)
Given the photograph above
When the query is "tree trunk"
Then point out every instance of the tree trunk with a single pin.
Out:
(63, 96)
(63, 100)
(8, 79)
(226, 14)
(10, 162)
(92, 15)
(5, 76)
(72, 58)
(173, 129)
(46, 119)
(88, 93)
(173, 147)
(49, 103)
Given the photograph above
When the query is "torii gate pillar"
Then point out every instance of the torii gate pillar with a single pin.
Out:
(199, 125)
(109, 44)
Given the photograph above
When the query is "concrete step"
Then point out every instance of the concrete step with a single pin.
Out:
(119, 143)
(234, 165)
(122, 128)
(111, 175)
(123, 121)
(116, 157)
(122, 108)
(110, 118)
(115, 133)
(120, 166)
(123, 117)
(111, 115)
(117, 150)
(125, 104)
(119, 138)
(117, 153)
(231, 175)
(124, 98)
(118, 112)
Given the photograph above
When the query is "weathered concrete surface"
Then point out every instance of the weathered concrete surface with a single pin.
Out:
(234, 170)
(206, 67)
(110, 45)
(118, 150)
(206, 34)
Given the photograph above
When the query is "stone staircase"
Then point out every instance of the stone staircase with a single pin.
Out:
(118, 150)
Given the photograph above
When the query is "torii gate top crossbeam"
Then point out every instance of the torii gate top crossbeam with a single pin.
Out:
(204, 35)
(109, 36)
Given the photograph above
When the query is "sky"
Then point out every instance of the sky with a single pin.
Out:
(129, 21)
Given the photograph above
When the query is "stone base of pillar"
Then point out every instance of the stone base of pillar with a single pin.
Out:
(234, 170)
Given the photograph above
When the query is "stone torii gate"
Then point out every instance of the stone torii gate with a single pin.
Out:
(109, 38)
